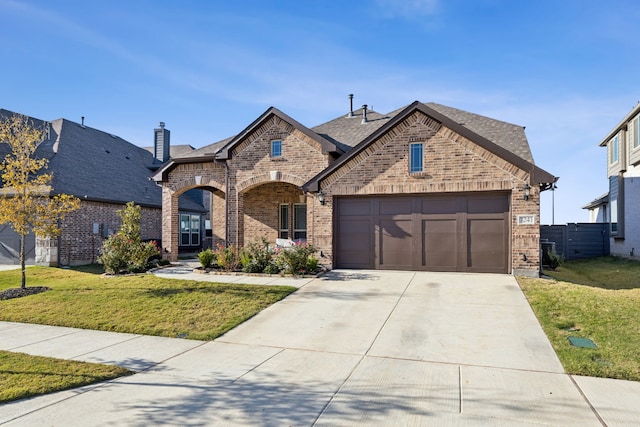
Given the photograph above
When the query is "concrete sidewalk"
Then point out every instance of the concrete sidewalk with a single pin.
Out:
(350, 348)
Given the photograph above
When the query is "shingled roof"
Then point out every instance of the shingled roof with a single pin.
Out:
(95, 165)
(503, 139)
(506, 135)
(347, 131)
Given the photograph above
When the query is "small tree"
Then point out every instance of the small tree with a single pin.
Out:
(26, 201)
(125, 250)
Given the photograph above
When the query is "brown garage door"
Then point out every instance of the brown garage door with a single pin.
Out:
(461, 232)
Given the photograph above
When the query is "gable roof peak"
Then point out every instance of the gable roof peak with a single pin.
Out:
(327, 146)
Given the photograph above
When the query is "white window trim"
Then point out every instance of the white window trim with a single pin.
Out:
(636, 133)
(614, 149)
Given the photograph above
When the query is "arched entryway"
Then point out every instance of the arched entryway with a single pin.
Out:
(188, 229)
(273, 210)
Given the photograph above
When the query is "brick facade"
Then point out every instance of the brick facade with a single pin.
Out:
(258, 184)
(78, 244)
(452, 164)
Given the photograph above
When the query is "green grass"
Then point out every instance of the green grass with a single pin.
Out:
(597, 299)
(142, 304)
(23, 376)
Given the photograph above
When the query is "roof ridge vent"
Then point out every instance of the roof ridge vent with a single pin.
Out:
(364, 114)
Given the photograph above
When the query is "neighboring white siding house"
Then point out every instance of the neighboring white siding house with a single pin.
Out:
(622, 206)
(598, 209)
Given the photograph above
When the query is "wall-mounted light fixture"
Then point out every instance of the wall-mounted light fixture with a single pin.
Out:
(526, 190)
(321, 197)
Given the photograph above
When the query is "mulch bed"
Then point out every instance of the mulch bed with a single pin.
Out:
(22, 292)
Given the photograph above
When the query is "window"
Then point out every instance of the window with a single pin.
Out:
(185, 223)
(614, 216)
(415, 158)
(195, 230)
(616, 206)
(283, 232)
(636, 132)
(300, 222)
(614, 150)
(276, 148)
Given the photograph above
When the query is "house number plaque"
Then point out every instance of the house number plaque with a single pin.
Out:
(526, 219)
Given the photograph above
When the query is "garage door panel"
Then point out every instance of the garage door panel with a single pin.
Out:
(439, 242)
(396, 206)
(396, 243)
(439, 205)
(353, 244)
(354, 207)
(487, 205)
(486, 245)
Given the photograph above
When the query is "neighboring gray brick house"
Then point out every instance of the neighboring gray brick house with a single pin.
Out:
(105, 172)
(425, 187)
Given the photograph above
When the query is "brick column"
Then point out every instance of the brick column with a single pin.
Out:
(170, 224)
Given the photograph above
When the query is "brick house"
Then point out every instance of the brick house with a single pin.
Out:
(425, 187)
(105, 172)
(620, 207)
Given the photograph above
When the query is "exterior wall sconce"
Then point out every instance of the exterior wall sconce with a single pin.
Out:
(526, 191)
(321, 197)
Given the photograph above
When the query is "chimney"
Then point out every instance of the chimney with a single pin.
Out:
(364, 114)
(161, 146)
(350, 105)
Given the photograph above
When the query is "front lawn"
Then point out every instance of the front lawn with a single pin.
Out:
(22, 375)
(141, 304)
(598, 299)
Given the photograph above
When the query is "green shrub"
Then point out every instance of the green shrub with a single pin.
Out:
(554, 260)
(272, 267)
(125, 251)
(295, 260)
(114, 254)
(227, 257)
(312, 264)
(207, 257)
(256, 256)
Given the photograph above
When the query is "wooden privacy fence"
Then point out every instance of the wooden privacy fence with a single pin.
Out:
(575, 240)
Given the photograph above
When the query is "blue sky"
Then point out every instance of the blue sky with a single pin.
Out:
(567, 70)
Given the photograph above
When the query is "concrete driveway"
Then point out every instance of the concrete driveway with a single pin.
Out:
(351, 348)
